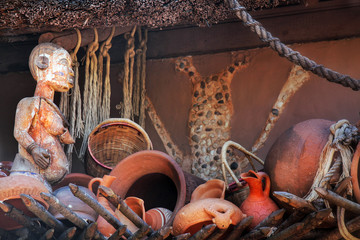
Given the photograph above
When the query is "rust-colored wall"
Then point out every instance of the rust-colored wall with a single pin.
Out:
(255, 89)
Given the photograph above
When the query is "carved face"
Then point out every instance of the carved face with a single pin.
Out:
(59, 74)
(50, 64)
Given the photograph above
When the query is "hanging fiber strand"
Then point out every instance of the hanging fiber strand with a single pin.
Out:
(128, 74)
(90, 92)
(76, 123)
(143, 47)
(136, 94)
(105, 89)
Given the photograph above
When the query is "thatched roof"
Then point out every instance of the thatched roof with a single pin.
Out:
(19, 16)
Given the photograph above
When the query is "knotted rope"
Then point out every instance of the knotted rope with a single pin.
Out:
(90, 92)
(341, 136)
(105, 91)
(290, 54)
(128, 74)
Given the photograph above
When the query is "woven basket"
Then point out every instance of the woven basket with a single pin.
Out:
(111, 141)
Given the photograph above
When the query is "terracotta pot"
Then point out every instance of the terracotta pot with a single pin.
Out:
(156, 178)
(293, 160)
(257, 204)
(79, 179)
(157, 217)
(137, 205)
(355, 173)
(193, 216)
(10, 189)
(103, 226)
(66, 197)
(214, 188)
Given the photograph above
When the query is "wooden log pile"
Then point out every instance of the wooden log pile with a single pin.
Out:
(298, 219)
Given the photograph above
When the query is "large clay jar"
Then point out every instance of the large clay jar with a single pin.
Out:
(193, 216)
(257, 204)
(10, 189)
(156, 178)
(293, 160)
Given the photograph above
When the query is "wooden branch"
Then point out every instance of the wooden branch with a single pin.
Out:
(294, 201)
(239, 228)
(292, 219)
(171, 148)
(288, 232)
(352, 226)
(204, 232)
(258, 233)
(68, 39)
(338, 200)
(272, 220)
(312, 221)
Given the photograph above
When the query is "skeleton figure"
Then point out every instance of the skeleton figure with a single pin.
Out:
(209, 117)
(40, 127)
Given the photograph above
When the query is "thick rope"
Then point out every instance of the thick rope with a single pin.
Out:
(105, 91)
(128, 74)
(90, 92)
(143, 47)
(290, 54)
(342, 134)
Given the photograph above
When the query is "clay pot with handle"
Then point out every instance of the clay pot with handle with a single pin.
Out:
(258, 204)
(103, 226)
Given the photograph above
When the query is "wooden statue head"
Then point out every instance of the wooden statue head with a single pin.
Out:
(50, 64)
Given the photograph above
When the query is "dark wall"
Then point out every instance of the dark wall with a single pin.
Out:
(254, 91)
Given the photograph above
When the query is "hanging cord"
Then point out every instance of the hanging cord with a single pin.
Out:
(76, 123)
(136, 94)
(105, 91)
(288, 53)
(90, 91)
(128, 74)
(143, 47)
(341, 136)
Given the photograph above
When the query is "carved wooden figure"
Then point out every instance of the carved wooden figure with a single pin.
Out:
(40, 127)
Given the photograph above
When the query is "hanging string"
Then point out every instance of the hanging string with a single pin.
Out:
(143, 47)
(90, 92)
(136, 94)
(128, 74)
(105, 91)
(76, 123)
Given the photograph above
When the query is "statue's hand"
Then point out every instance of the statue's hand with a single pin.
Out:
(66, 137)
(40, 155)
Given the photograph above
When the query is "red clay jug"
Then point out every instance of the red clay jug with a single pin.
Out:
(104, 227)
(257, 204)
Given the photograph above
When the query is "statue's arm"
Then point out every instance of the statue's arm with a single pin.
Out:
(25, 113)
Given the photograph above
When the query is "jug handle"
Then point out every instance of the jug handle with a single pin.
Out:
(92, 181)
(267, 182)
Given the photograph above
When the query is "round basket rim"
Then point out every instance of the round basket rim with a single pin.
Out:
(117, 121)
